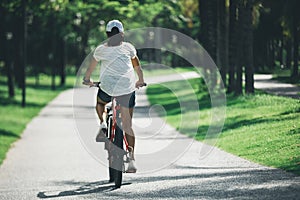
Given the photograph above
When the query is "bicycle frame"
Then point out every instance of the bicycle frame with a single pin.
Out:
(116, 120)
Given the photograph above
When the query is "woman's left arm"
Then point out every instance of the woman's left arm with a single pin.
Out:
(138, 69)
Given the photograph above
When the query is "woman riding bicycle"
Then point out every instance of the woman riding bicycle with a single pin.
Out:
(118, 62)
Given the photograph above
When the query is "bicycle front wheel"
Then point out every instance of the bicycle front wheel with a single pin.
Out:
(118, 174)
(118, 157)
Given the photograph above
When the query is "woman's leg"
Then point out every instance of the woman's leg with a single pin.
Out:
(127, 127)
(100, 108)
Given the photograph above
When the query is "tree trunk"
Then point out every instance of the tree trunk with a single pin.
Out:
(208, 36)
(248, 48)
(10, 81)
(211, 29)
(203, 19)
(288, 53)
(53, 57)
(8, 64)
(203, 9)
(295, 72)
(62, 62)
(280, 53)
(24, 53)
(240, 40)
(222, 45)
(5, 51)
(218, 35)
(17, 40)
(271, 54)
(208, 18)
(232, 45)
(212, 39)
(53, 74)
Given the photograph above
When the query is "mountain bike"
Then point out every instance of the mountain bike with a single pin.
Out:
(118, 156)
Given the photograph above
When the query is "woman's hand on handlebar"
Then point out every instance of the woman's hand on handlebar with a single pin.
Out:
(139, 84)
(88, 82)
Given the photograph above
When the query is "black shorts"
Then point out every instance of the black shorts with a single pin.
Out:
(127, 100)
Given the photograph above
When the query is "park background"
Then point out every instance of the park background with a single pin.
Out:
(43, 43)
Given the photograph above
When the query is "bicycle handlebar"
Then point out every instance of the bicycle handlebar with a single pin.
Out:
(96, 84)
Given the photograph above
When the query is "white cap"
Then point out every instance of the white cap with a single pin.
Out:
(114, 23)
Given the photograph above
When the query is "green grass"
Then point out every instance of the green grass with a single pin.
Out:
(262, 128)
(14, 118)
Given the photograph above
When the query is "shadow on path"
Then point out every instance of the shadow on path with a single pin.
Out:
(223, 183)
(204, 182)
(87, 188)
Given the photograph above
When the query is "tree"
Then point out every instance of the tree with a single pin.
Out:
(24, 51)
(295, 32)
(233, 38)
(6, 40)
(208, 35)
(248, 47)
(241, 46)
(222, 39)
(238, 90)
(280, 25)
(232, 52)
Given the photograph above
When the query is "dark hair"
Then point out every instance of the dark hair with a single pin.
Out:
(114, 37)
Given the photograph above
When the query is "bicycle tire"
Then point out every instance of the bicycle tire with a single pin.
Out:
(118, 174)
(108, 145)
(116, 163)
(111, 175)
(116, 155)
(118, 160)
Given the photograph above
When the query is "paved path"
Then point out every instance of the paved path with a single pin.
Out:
(265, 82)
(261, 81)
(50, 161)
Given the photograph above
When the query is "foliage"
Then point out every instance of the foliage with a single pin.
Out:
(61, 33)
(73, 28)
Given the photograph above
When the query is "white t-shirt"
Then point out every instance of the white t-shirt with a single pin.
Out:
(116, 71)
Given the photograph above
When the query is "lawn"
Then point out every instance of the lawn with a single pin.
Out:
(14, 118)
(262, 128)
